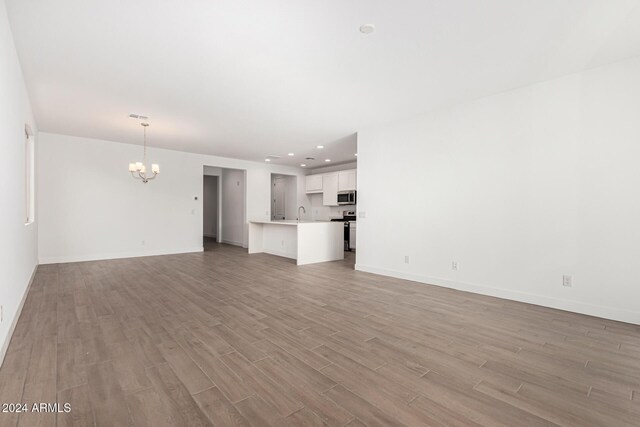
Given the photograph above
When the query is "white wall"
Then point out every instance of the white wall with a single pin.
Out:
(18, 242)
(334, 168)
(212, 171)
(91, 208)
(210, 206)
(519, 188)
(233, 224)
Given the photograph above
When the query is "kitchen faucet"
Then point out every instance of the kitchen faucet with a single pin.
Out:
(303, 211)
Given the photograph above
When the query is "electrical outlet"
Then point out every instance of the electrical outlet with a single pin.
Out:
(406, 259)
(567, 281)
(282, 243)
(454, 265)
(143, 243)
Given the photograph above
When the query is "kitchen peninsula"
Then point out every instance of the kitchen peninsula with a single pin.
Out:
(307, 242)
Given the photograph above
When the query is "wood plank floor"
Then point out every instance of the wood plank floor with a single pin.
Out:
(224, 338)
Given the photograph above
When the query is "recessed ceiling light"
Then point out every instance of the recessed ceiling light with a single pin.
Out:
(290, 154)
(367, 28)
(302, 164)
(320, 146)
(356, 154)
(327, 160)
(267, 160)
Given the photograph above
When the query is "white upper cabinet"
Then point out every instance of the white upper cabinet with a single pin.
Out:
(313, 183)
(328, 184)
(347, 180)
(330, 189)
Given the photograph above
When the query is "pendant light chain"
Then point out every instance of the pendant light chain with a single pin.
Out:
(144, 156)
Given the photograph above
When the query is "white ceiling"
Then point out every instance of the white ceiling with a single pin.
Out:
(251, 78)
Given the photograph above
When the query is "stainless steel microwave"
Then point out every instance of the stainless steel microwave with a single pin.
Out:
(346, 197)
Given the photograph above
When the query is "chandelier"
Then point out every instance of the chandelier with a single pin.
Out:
(139, 169)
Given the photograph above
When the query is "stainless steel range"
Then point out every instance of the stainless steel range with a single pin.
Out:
(349, 219)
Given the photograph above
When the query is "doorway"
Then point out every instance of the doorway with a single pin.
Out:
(210, 210)
(284, 190)
(224, 207)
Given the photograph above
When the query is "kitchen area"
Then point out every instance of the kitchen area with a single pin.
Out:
(322, 232)
(333, 197)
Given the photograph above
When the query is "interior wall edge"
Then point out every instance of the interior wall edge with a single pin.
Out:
(611, 313)
(14, 321)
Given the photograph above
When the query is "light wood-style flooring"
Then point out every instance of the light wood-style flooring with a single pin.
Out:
(226, 338)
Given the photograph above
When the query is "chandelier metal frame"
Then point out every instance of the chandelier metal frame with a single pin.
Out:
(139, 169)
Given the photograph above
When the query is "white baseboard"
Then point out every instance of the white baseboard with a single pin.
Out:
(611, 313)
(100, 257)
(234, 243)
(14, 322)
(280, 253)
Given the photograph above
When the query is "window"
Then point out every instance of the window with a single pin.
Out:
(29, 176)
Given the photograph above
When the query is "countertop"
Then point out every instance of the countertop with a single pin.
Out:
(288, 222)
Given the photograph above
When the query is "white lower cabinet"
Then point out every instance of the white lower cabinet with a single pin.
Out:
(352, 235)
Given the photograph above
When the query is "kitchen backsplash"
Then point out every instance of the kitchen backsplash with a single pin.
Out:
(325, 213)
